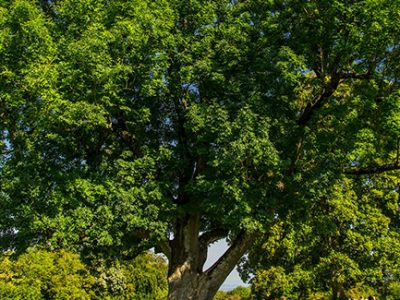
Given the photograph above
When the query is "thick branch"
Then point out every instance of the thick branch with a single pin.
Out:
(353, 75)
(335, 80)
(311, 108)
(164, 248)
(296, 156)
(372, 170)
(205, 240)
(184, 246)
(218, 272)
(212, 236)
(309, 112)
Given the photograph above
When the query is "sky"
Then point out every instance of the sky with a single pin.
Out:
(214, 252)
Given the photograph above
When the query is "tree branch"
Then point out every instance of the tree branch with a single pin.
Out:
(227, 262)
(311, 108)
(372, 170)
(296, 156)
(335, 80)
(353, 75)
(212, 236)
(164, 248)
(205, 240)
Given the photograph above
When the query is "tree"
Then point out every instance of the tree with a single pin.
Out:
(141, 278)
(40, 274)
(238, 293)
(45, 275)
(348, 244)
(177, 123)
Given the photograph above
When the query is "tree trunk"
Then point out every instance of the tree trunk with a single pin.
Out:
(189, 286)
(338, 292)
(187, 255)
(335, 292)
(342, 293)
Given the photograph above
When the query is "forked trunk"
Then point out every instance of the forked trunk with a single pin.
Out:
(187, 255)
(190, 286)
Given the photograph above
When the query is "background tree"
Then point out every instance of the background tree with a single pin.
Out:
(141, 278)
(238, 293)
(174, 124)
(347, 246)
(45, 275)
(40, 274)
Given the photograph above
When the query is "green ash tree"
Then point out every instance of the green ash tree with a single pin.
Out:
(173, 124)
(347, 246)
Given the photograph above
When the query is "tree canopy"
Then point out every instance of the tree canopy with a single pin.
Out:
(348, 244)
(172, 124)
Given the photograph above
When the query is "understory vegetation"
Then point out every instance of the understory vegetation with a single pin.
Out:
(40, 274)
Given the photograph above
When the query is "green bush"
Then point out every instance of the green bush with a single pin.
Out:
(393, 291)
(241, 291)
(40, 274)
(220, 295)
(143, 278)
(238, 293)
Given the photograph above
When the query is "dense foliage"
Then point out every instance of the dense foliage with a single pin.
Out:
(238, 293)
(141, 278)
(347, 234)
(40, 274)
(350, 238)
(44, 275)
(127, 125)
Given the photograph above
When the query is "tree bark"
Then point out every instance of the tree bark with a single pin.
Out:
(335, 292)
(186, 278)
(338, 292)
